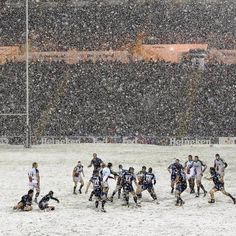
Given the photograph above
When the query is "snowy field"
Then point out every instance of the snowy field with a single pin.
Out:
(75, 215)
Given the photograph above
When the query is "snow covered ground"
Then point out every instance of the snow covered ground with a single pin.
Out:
(75, 215)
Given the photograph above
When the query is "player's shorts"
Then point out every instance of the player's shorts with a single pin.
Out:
(173, 177)
(147, 187)
(97, 192)
(128, 188)
(221, 173)
(219, 187)
(198, 177)
(78, 179)
(191, 174)
(43, 205)
(34, 186)
(180, 187)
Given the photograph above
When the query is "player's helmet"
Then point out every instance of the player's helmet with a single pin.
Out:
(150, 169)
(131, 169)
(51, 192)
(109, 165)
(212, 170)
(120, 167)
(144, 167)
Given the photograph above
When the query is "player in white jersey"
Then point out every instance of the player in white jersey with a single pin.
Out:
(77, 177)
(199, 168)
(190, 173)
(220, 165)
(106, 174)
(34, 179)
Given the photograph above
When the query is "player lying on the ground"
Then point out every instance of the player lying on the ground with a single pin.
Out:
(181, 185)
(173, 169)
(77, 177)
(43, 204)
(190, 173)
(25, 203)
(34, 179)
(126, 182)
(96, 181)
(218, 185)
(148, 180)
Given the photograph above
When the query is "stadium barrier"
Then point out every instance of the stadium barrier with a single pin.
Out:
(140, 139)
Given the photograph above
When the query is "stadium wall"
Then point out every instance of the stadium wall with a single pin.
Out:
(149, 140)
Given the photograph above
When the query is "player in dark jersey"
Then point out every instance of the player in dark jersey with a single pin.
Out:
(95, 162)
(25, 203)
(43, 203)
(148, 180)
(218, 185)
(96, 181)
(126, 182)
(120, 173)
(173, 169)
(181, 185)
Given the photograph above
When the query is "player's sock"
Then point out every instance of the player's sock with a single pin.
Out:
(172, 189)
(154, 196)
(202, 187)
(81, 186)
(198, 191)
(234, 200)
(135, 199)
(103, 203)
(91, 195)
(119, 192)
(96, 204)
(74, 190)
(114, 193)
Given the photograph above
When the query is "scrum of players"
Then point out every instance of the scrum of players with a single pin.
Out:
(181, 176)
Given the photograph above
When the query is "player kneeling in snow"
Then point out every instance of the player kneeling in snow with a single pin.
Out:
(181, 185)
(219, 185)
(26, 202)
(43, 204)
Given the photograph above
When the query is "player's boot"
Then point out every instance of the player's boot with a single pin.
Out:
(205, 193)
(74, 192)
(111, 199)
(103, 210)
(172, 190)
(234, 200)
(211, 201)
(197, 195)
